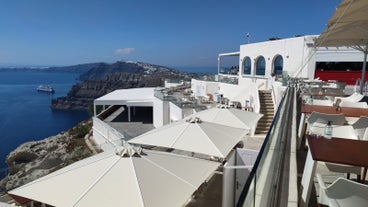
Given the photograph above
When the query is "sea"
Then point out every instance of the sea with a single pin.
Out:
(25, 114)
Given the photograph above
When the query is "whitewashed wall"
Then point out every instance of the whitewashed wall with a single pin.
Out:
(293, 50)
(176, 113)
(160, 112)
(201, 88)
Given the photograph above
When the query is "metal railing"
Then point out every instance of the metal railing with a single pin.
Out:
(267, 184)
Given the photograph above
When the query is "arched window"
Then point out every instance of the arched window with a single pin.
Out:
(260, 66)
(278, 65)
(247, 64)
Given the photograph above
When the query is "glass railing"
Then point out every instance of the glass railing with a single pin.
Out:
(228, 79)
(185, 101)
(266, 179)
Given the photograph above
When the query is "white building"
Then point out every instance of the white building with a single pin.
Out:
(291, 57)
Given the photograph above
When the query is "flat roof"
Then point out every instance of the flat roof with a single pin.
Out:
(131, 96)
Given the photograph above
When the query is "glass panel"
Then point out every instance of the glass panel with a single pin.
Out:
(260, 66)
(278, 65)
(247, 66)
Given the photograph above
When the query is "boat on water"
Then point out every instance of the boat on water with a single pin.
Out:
(45, 88)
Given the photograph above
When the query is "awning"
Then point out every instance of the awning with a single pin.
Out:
(348, 27)
(193, 135)
(230, 117)
(127, 177)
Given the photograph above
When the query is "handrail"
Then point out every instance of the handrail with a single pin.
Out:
(256, 164)
(278, 140)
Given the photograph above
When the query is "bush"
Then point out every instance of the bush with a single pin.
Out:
(80, 130)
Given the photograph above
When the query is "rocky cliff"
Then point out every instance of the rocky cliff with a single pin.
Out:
(105, 78)
(35, 159)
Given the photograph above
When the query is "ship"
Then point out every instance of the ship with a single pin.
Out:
(45, 88)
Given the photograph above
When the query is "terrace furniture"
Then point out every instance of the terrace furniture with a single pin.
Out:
(347, 111)
(337, 119)
(361, 128)
(346, 131)
(322, 102)
(355, 97)
(353, 104)
(334, 150)
(342, 192)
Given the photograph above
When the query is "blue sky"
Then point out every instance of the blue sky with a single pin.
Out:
(171, 33)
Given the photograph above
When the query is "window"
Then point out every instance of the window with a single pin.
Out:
(260, 66)
(278, 65)
(247, 66)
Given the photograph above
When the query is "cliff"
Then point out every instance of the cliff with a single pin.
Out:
(105, 78)
(35, 159)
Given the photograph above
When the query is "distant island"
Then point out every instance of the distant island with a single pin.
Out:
(98, 79)
(104, 78)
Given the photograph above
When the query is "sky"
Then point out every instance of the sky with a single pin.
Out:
(175, 33)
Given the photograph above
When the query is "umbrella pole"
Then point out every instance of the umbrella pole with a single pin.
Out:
(363, 72)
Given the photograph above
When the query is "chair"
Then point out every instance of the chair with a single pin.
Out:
(354, 104)
(360, 128)
(355, 97)
(337, 119)
(322, 102)
(342, 192)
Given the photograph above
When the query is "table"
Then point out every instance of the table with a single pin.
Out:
(339, 150)
(334, 150)
(345, 131)
(322, 94)
(347, 111)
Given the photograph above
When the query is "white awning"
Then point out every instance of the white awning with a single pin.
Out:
(230, 117)
(348, 27)
(118, 179)
(200, 137)
(132, 96)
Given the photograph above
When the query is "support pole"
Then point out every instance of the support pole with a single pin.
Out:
(94, 109)
(128, 113)
(362, 80)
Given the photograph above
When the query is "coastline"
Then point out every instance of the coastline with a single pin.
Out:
(35, 159)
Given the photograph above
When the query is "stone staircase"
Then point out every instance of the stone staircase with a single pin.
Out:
(268, 111)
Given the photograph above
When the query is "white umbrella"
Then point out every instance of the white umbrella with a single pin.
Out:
(230, 117)
(128, 177)
(348, 27)
(193, 135)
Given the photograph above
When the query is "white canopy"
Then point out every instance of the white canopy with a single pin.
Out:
(230, 117)
(124, 178)
(348, 27)
(200, 137)
(131, 96)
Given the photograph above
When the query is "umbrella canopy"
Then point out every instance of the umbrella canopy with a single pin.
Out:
(193, 135)
(230, 117)
(348, 27)
(128, 177)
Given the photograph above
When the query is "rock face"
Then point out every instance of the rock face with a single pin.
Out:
(105, 78)
(35, 159)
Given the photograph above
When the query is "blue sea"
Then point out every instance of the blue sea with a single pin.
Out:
(25, 114)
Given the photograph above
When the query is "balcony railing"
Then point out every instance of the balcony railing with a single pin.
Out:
(268, 182)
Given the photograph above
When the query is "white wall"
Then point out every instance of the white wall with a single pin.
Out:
(176, 113)
(245, 90)
(202, 88)
(172, 84)
(332, 54)
(293, 50)
(160, 112)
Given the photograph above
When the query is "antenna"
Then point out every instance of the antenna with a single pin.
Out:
(248, 37)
